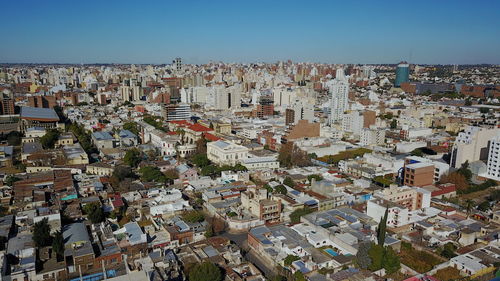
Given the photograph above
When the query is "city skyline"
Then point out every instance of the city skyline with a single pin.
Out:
(446, 32)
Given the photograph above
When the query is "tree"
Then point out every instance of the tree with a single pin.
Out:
(285, 155)
(484, 110)
(10, 180)
(362, 257)
(315, 177)
(289, 182)
(123, 172)
(49, 139)
(132, 127)
(376, 254)
(394, 124)
(465, 171)
(390, 261)
(469, 205)
(289, 259)
(14, 138)
(200, 160)
(382, 228)
(268, 187)
(132, 157)
(58, 244)
(295, 215)
(448, 250)
(291, 155)
(94, 212)
(41, 233)
(201, 146)
(484, 206)
(171, 174)
(152, 173)
(205, 271)
(299, 276)
(208, 170)
(456, 178)
(281, 189)
(193, 216)
(417, 152)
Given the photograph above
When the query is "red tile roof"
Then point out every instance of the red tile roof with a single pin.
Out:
(199, 128)
(181, 123)
(210, 137)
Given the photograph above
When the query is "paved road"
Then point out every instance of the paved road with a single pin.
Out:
(240, 239)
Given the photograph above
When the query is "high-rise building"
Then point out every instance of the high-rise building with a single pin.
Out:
(177, 62)
(181, 111)
(265, 107)
(493, 166)
(299, 111)
(6, 104)
(339, 89)
(472, 145)
(402, 73)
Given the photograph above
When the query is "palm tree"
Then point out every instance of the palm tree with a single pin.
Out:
(469, 204)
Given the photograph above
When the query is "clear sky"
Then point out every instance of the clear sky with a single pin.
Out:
(348, 31)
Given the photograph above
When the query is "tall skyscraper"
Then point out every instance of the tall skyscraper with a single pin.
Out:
(402, 73)
(339, 88)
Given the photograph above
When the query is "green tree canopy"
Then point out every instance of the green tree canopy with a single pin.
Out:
(200, 160)
(50, 138)
(132, 157)
(58, 244)
(390, 261)
(123, 172)
(152, 173)
(94, 212)
(10, 180)
(289, 259)
(281, 189)
(132, 127)
(41, 233)
(394, 123)
(289, 182)
(362, 257)
(381, 229)
(295, 215)
(205, 271)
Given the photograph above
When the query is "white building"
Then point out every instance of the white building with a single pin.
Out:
(256, 163)
(302, 111)
(226, 153)
(339, 88)
(493, 166)
(397, 215)
(371, 137)
(353, 122)
(472, 145)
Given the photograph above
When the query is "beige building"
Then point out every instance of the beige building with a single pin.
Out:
(256, 202)
(226, 153)
(100, 169)
(472, 145)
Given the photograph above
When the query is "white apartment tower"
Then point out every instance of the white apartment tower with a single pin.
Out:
(493, 166)
(472, 145)
(339, 88)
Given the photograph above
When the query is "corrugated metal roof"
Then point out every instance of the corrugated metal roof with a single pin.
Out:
(39, 113)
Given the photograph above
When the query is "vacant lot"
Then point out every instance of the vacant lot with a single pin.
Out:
(420, 261)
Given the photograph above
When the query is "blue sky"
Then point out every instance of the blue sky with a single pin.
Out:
(357, 31)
